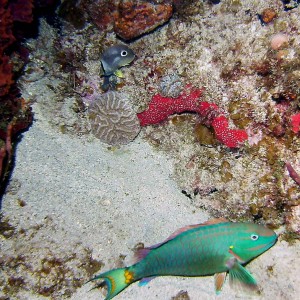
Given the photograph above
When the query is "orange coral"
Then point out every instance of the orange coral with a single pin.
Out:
(137, 17)
(268, 15)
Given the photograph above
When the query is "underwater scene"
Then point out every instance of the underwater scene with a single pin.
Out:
(149, 149)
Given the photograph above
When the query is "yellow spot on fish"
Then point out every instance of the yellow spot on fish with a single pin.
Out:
(119, 74)
(231, 247)
(129, 277)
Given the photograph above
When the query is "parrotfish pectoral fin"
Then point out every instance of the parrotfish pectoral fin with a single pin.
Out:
(219, 281)
(240, 278)
(116, 281)
(119, 74)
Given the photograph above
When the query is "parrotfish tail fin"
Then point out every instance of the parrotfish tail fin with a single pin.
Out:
(105, 85)
(241, 279)
(116, 281)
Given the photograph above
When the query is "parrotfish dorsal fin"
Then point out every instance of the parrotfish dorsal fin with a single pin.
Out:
(141, 253)
(188, 227)
(215, 221)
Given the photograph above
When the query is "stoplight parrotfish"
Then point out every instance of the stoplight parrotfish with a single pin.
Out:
(114, 58)
(216, 247)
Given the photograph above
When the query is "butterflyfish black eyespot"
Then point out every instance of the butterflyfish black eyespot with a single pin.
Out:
(254, 237)
(124, 53)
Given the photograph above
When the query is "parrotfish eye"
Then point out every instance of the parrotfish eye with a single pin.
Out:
(254, 237)
(124, 53)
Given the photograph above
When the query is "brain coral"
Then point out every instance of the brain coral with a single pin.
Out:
(112, 119)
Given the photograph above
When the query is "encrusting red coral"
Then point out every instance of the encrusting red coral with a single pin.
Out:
(161, 107)
(232, 138)
(295, 120)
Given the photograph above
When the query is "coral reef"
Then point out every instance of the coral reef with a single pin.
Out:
(112, 119)
(260, 92)
(251, 83)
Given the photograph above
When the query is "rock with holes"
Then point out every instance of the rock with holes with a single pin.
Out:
(112, 119)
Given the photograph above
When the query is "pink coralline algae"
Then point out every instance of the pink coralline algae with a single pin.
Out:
(161, 107)
(295, 120)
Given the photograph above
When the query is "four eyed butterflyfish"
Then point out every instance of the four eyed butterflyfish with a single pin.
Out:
(112, 59)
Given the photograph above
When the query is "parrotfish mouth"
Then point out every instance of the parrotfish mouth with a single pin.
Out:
(264, 246)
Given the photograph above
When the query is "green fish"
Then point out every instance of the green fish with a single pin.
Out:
(216, 247)
(113, 59)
